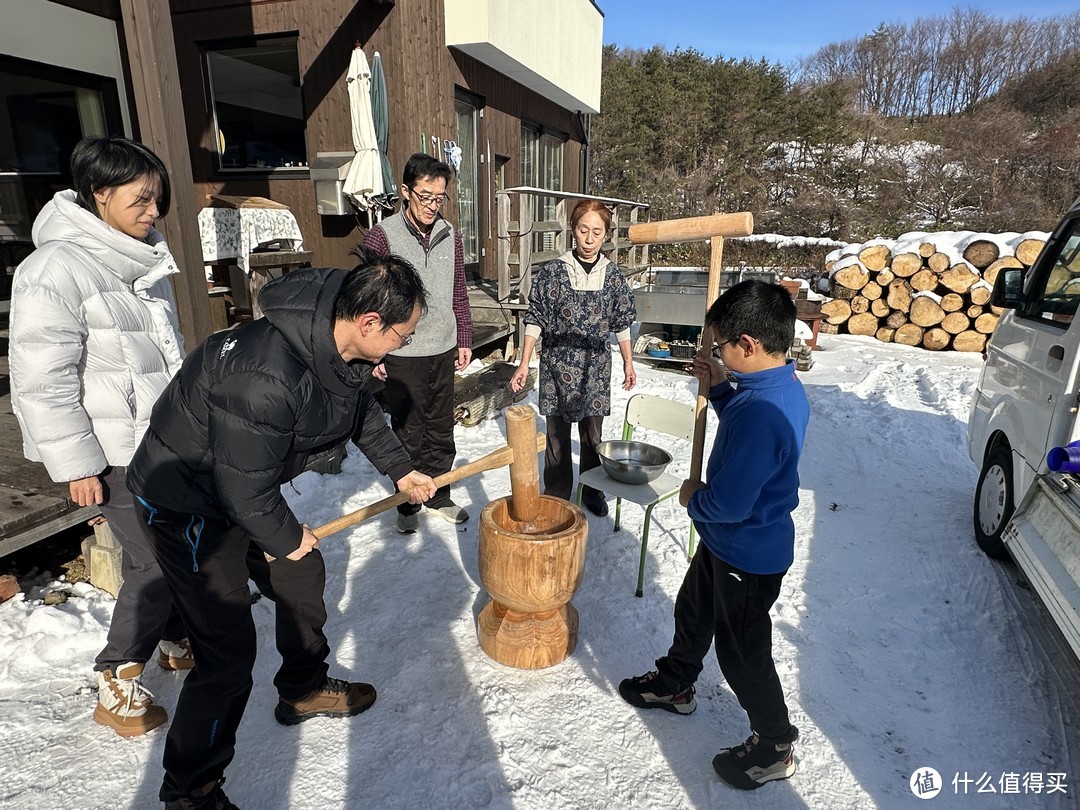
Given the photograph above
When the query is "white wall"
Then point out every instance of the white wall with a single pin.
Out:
(57, 35)
(554, 47)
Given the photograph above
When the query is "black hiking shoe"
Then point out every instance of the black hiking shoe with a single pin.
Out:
(210, 797)
(648, 692)
(755, 762)
(336, 698)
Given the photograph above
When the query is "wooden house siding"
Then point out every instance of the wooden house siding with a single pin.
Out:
(421, 73)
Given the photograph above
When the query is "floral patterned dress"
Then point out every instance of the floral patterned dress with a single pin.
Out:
(575, 361)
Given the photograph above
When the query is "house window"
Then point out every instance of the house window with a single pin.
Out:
(257, 105)
(542, 167)
(466, 130)
(47, 110)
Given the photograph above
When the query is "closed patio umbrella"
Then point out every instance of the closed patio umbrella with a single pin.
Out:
(365, 179)
(380, 114)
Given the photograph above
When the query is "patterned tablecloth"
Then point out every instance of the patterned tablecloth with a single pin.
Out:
(232, 233)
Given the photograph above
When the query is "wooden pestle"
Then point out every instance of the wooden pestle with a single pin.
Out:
(524, 469)
(691, 229)
(701, 407)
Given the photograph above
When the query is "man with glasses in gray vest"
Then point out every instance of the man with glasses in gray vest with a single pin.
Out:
(419, 376)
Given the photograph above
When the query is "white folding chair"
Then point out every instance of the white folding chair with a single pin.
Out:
(652, 413)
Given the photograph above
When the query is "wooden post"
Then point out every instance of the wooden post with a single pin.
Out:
(148, 31)
(502, 264)
(716, 264)
(524, 469)
(526, 216)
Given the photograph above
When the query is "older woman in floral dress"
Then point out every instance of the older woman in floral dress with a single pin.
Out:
(575, 303)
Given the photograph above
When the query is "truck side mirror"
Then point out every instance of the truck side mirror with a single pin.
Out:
(1008, 288)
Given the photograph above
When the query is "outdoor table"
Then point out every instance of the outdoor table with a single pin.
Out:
(233, 233)
(233, 236)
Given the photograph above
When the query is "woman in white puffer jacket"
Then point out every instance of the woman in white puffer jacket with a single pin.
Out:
(94, 340)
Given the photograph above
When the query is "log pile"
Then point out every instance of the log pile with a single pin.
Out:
(923, 289)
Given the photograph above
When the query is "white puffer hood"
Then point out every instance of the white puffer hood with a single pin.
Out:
(94, 340)
(138, 263)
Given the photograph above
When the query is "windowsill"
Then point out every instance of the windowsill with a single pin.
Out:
(256, 173)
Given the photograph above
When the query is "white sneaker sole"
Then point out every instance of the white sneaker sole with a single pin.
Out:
(448, 518)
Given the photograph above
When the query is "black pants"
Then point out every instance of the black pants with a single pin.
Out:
(722, 603)
(207, 564)
(419, 397)
(144, 612)
(559, 462)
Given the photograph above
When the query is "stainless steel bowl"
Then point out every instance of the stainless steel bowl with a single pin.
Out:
(632, 462)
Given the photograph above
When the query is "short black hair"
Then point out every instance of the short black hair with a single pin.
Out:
(755, 308)
(420, 166)
(100, 163)
(388, 285)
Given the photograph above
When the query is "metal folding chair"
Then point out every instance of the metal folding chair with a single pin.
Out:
(652, 413)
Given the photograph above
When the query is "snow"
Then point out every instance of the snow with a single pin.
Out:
(780, 240)
(900, 646)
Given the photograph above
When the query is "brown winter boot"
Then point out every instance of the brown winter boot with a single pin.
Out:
(175, 655)
(124, 704)
(336, 698)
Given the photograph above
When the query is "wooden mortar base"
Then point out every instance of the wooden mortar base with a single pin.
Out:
(527, 640)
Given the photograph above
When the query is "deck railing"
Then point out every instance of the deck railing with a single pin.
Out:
(517, 211)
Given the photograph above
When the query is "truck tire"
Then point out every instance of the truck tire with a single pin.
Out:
(994, 502)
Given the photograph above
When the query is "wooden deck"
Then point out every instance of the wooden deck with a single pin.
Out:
(32, 506)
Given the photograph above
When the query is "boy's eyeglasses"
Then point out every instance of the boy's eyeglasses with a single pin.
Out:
(718, 346)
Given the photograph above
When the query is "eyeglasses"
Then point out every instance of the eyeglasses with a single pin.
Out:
(429, 200)
(718, 346)
(405, 339)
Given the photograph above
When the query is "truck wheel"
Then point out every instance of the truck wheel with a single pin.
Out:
(994, 502)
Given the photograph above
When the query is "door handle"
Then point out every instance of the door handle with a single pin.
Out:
(1057, 352)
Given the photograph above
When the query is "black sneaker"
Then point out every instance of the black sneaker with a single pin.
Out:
(755, 762)
(211, 797)
(647, 692)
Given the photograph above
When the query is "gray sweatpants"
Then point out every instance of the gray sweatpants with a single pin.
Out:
(144, 612)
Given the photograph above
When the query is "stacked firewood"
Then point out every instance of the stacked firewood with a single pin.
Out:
(923, 289)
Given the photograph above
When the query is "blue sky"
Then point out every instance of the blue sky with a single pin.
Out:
(780, 30)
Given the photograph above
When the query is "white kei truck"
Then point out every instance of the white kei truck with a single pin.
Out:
(1027, 403)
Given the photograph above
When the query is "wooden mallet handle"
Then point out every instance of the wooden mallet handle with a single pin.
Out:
(492, 461)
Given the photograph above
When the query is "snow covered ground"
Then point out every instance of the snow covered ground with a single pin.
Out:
(900, 646)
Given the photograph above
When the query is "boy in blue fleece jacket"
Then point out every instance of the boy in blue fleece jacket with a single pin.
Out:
(743, 515)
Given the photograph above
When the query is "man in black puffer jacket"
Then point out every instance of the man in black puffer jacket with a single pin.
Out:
(250, 410)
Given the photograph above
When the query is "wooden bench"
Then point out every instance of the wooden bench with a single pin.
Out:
(265, 266)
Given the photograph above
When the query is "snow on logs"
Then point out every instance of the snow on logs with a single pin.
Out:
(923, 289)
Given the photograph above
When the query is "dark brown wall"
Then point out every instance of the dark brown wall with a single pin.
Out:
(102, 8)
(421, 74)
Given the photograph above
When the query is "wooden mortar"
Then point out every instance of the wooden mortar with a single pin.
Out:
(531, 560)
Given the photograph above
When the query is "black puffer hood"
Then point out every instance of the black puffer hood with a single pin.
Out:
(300, 305)
(254, 407)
